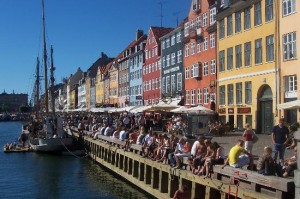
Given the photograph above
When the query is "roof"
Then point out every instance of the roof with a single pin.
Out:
(158, 32)
(102, 61)
(74, 79)
(134, 43)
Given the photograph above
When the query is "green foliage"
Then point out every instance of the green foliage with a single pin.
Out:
(25, 109)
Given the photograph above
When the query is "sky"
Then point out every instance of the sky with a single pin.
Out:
(79, 31)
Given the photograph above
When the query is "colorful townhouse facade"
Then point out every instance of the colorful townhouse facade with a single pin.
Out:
(152, 66)
(247, 65)
(72, 89)
(123, 76)
(82, 93)
(106, 79)
(100, 86)
(289, 60)
(114, 82)
(199, 38)
(136, 61)
(172, 84)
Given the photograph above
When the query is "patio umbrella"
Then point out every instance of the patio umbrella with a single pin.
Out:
(181, 109)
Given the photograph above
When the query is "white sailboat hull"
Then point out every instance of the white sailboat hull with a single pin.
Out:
(51, 144)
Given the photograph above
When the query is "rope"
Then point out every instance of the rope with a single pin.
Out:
(69, 150)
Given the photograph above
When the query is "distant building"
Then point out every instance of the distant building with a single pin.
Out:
(72, 89)
(152, 66)
(114, 81)
(172, 83)
(12, 102)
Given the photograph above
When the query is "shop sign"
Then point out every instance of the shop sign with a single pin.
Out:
(230, 110)
(244, 110)
(222, 110)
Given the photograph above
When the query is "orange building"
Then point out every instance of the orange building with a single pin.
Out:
(199, 38)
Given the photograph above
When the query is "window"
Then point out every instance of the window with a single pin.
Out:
(163, 44)
(179, 81)
(168, 60)
(186, 50)
(178, 37)
(192, 48)
(198, 47)
(192, 71)
(291, 83)
(229, 58)
(238, 56)
(173, 83)
(204, 19)
(229, 25)
(173, 59)
(238, 23)
(222, 60)
(212, 16)
(258, 51)
(179, 56)
(205, 44)
(164, 62)
(213, 66)
(199, 96)
(187, 97)
(195, 71)
(186, 29)
(163, 79)
(289, 7)
(173, 40)
(212, 40)
(205, 68)
(247, 54)
(230, 94)
(193, 96)
(222, 29)
(239, 93)
(248, 92)
(206, 96)
(269, 10)
(198, 22)
(289, 46)
(168, 43)
(222, 95)
(247, 18)
(270, 48)
(192, 25)
(168, 85)
(257, 14)
(187, 73)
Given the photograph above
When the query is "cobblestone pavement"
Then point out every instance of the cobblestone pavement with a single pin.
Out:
(230, 139)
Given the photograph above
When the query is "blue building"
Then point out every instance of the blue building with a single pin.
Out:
(136, 61)
(172, 64)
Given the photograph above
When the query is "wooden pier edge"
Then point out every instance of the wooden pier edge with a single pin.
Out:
(162, 181)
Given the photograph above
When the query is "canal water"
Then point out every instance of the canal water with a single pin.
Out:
(31, 175)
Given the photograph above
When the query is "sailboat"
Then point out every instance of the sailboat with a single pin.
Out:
(47, 133)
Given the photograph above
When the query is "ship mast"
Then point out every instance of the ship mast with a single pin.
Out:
(45, 61)
(37, 89)
(52, 69)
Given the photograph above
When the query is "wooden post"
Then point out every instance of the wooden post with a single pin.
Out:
(207, 192)
(297, 172)
(193, 190)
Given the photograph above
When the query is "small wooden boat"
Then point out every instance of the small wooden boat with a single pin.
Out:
(17, 150)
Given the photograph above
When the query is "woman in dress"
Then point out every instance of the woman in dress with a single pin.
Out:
(248, 135)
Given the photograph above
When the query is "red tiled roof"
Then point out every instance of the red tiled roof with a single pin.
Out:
(158, 32)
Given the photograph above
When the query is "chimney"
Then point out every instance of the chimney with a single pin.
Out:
(139, 33)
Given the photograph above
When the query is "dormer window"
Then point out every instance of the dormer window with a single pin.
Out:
(195, 5)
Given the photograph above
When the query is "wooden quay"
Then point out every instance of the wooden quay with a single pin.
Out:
(162, 181)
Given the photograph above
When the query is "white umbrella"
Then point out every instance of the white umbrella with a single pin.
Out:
(289, 105)
(199, 109)
(181, 109)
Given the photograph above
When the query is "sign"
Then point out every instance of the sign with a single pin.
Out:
(230, 110)
(222, 110)
(171, 70)
(138, 97)
(244, 110)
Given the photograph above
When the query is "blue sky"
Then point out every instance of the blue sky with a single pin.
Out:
(79, 30)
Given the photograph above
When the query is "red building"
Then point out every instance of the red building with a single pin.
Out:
(199, 38)
(152, 66)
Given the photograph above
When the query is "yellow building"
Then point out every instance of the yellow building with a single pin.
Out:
(113, 83)
(247, 66)
(88, 92)
(289, 62)
(100, 86)
(74, 101)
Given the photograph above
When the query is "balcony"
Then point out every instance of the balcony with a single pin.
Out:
(194, 33)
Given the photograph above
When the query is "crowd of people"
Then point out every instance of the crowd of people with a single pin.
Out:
(201, 154)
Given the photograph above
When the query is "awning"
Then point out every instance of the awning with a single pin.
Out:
(181, 109)
(200, 110)
(290, 105)
(139, 109)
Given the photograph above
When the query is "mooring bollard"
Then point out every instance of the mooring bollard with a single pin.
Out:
(297, 172)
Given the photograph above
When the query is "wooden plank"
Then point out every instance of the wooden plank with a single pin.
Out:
(207, 192)
(274, 182)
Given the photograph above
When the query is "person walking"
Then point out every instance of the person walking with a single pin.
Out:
(280, 135)
(248, 135)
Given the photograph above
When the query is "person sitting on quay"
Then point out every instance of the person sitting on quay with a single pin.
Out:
(280, 138)
(148, 139)
(132, 137)
(235, 159)
(163, 149)
(290, 165)
(198, 152)
(217, 158)
(199, 163)
(108, 130)
(185, 153)
(182, 193)
(265, 164)
(141, 136)
(178, 149)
